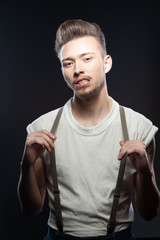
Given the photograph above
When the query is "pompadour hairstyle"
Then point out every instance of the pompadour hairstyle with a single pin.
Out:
(77, 28)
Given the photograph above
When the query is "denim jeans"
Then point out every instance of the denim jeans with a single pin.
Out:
(126, 234)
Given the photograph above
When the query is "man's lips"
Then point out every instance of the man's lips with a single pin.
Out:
(82, 81)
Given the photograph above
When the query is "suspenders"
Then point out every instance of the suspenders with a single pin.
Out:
(58, 212)
(111, 225)
(56, 192)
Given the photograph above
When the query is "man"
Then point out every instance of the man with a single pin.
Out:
(89, 147)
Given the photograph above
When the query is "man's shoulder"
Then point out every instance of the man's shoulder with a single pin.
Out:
(45, 121)
(136, 116)
(133, 115)
(140, 126)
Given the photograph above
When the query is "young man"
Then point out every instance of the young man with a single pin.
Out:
(88, 147)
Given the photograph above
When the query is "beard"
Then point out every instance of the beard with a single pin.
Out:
(88, 95)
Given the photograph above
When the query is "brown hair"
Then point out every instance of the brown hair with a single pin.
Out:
(76, 28)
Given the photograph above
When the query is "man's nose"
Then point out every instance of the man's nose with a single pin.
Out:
(79, 68)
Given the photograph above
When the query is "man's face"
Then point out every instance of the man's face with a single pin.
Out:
(83, 66)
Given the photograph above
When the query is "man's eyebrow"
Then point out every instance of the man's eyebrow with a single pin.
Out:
(68, 58)
(83, 54)
(80, 55)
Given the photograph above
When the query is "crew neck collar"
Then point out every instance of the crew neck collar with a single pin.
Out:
(100, 127)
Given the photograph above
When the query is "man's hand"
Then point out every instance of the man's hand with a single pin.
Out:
(145, 182)
(36, 143)
(32, 181)
(136, 150)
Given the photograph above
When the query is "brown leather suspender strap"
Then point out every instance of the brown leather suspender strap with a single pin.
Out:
(111, 225)
(56, 192)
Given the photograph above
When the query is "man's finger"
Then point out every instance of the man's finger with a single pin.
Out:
(121, 143)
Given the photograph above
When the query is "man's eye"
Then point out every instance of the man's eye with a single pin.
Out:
(87, 59)
(68, 64)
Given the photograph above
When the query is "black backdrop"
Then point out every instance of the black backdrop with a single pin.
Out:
(32, 84)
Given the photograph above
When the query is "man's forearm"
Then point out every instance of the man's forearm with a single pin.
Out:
(28, 192)
(147, 195)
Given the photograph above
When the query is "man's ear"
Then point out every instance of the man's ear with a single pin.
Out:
(107, 63)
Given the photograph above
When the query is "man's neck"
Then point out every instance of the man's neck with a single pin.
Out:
(90, 112)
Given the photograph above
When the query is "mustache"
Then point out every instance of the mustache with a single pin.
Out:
(84, 77)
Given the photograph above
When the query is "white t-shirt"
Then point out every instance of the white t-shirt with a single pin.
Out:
(87, 168)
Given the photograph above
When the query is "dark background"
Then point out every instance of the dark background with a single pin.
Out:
(32, 84)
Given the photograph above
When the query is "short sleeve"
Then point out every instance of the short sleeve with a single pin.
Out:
(44, 122)
(146, 130)
(140, 127)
